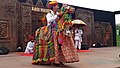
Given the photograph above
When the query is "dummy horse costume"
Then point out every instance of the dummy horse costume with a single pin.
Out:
(47, 49)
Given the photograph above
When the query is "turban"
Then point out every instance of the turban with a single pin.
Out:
(52, 4)
(31, 38)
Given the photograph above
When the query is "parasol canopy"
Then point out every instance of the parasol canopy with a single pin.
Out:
(78, 22)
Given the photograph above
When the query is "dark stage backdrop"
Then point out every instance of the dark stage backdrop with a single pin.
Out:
(103, 16)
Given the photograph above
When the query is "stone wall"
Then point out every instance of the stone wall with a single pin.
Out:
(7, 24)
(88, 17)
(16, 21)
(103, 33)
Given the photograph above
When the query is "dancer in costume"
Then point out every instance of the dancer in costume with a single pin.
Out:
(68, 50)
(46, 44)
(51, 40)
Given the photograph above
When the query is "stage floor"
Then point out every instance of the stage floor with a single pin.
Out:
(106, 57)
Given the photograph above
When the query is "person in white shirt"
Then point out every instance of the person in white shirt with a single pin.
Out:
(52, 17)
(30, 46)
(78, 37)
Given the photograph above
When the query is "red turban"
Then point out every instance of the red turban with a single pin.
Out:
(31, 38)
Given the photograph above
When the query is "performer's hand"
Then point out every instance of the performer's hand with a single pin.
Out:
(64, 5)
(60, 13)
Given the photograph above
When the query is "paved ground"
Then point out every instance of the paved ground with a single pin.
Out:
(99, 58)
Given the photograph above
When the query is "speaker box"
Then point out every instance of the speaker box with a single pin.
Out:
(84, 46)
(4, 50)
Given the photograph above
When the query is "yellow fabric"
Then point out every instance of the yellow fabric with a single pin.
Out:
(45, 29)
(53, 2)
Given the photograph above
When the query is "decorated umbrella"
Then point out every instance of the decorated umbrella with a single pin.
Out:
(78, 23)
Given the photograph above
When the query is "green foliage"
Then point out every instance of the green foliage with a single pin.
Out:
(118, 27)
(118, 36)
(118, 40)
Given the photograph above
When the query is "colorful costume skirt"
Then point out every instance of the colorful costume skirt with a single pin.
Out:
(49, 51)
(69, 50)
